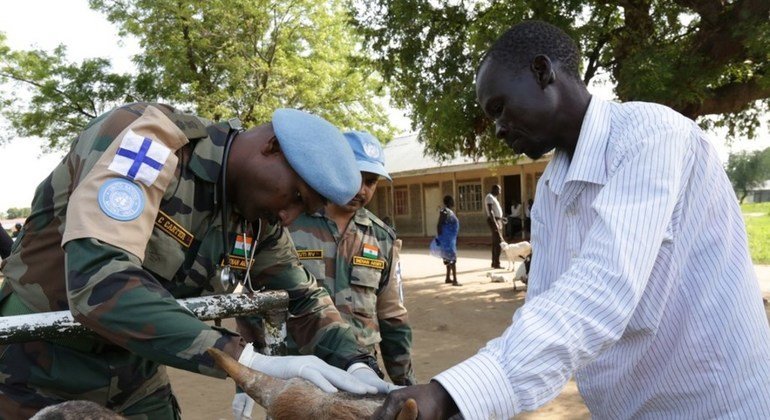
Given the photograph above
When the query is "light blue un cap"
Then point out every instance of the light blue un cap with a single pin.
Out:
(368, 152)
(318, 152)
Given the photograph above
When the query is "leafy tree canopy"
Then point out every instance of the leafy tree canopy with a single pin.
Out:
(17, 212)
(219, 59)
(47, 96)
(703, 58)
(747, 171)
(246, 58)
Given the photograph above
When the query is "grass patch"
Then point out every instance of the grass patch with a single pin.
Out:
(757, 219)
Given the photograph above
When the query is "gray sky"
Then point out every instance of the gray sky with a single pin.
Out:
(86, 33)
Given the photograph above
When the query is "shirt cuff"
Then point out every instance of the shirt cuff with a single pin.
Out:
(480, 388)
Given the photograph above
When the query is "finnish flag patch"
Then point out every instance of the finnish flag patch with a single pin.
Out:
(139, 158)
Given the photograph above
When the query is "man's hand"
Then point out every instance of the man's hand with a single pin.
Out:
(368, 376)
(315, 370)
(433, 402)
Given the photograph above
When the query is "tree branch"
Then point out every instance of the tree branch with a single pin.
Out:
(70, 103)
(730, 98)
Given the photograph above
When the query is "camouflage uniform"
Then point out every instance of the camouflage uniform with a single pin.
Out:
(122, 278)
(359, 268)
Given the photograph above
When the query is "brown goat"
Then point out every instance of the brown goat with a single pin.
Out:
(299, 399)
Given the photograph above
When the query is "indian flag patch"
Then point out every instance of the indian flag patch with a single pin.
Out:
(242, 247)
(370, 251)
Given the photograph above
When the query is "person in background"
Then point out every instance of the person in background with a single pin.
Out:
(528, 218)
(446, 240)
(494, 219)
(16, 230)
(355, 256)
(515, 224)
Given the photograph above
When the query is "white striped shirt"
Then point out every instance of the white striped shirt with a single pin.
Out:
(641, 284)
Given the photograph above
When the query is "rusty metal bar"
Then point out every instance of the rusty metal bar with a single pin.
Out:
(52, 325)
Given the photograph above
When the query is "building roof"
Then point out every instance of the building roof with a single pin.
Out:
(405, 156)
(764, 187)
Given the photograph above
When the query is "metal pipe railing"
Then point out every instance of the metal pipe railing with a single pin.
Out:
(271, 305)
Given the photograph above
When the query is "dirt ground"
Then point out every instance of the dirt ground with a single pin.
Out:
(450, 324)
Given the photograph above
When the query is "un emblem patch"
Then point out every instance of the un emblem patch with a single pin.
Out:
(121, 199)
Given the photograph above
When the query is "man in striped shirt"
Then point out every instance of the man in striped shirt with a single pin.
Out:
(641, 285)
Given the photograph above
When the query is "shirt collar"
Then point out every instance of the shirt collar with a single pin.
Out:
(359, 218)
(588, 164)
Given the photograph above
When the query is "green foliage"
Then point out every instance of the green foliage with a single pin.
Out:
(756, 208)
(747, 171)
(757, 218)
(53, 98)
(246, 58)
(16, 212)
(219, 58)
(706, 59)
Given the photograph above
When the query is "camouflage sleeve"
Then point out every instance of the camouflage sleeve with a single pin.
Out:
(396, 333)
(314, 322)
(109, 292)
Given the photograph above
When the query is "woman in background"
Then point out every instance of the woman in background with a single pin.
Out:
(445, 244)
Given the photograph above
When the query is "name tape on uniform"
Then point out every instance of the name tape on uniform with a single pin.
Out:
(310, 254)
(368, 262)
(236, 262)
(174, 229)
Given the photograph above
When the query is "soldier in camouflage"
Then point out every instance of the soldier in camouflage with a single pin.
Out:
(356, 256)
(132, 219)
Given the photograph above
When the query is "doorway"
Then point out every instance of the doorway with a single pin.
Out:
(512, 190)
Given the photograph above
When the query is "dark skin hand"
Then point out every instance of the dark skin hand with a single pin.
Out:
(433, 402)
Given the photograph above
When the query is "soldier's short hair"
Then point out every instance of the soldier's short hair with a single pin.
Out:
(520, 44)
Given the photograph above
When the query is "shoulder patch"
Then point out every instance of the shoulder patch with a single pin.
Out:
(139, 158)
(121, 199)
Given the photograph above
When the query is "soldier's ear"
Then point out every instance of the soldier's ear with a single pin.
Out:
(271, 147)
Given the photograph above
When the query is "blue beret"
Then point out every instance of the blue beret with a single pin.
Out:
(318, 152)
(368, 152)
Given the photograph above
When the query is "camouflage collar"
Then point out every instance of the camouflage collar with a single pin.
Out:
(206, 160)
(362, 217)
